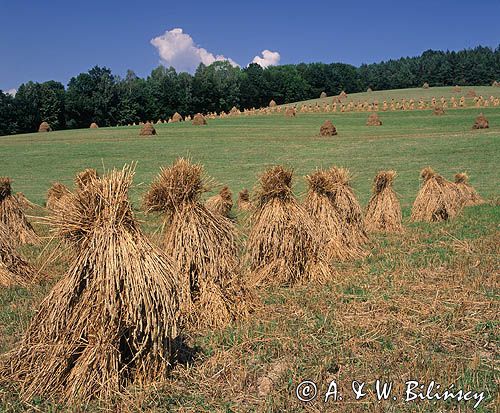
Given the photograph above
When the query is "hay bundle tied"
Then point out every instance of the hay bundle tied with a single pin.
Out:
(457, 89)
(272, 103)
(24, 202)
(437, 199)
(425, 85)
(244, 203)
(13, 217)
(222, 203)
(55, 194)
(327, 129)
(205, 246)
(481, 122)
(373, 120)
(350, 213)
(93, 125)
(283, 246)
(438, 111)
(384, 209)
(176, 117)
(323, 95)
(44, 127)
(111, 320)
(290, 112)
(147, 130)
(469, 195)
(199, 120)
(471, 93)
(14, 270)
(85, 178)
(319, 205)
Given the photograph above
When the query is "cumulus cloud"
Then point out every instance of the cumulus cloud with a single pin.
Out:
(11, 92)
(268, 58)
(178, 49)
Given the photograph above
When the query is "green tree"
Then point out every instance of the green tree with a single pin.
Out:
(28, 100)
(52, 96)
(8, 118)
(92, 97)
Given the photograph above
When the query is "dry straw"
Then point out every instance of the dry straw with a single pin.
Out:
(222, 203)
(327, 129)
(469, 195)
(384, 209)
(14, 270)
(199, 120)
(290, 112)
(176, 117)
(272, 103)
(111, 320)
(283, 245)
(55, 193)
(85, 178)
(205, 246)
(44, 127)
(24, 202)
(147, 130)
(244, 203)
(93, 125)
(481, 122)
(319, 205)
(437, 200)
(13, 217)
(373, 120)
(344, 200)
(438, 111)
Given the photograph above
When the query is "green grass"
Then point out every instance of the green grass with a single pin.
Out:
(423, 305)
(235, 150)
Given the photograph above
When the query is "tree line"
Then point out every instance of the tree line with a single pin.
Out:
(102, 97)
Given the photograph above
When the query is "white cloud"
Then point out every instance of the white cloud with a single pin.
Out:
(11, 92)
(178, 49)
(268, 58)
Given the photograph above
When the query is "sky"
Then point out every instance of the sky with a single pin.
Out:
(44, 40)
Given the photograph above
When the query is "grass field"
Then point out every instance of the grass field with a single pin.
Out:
(423, 305)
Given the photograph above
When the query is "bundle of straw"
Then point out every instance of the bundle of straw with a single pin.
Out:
(319, 206)
(55, 193)
(14, 270)
(283, 246)
(23, 201)
(384, 210)
(244, 203)
(347, 206)
(85, 178)
(437, 200)
(111, 320)
(205, 246)
(12, 215)
(222, 203)
(469, 195)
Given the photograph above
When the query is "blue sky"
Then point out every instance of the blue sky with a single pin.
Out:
(52, 39)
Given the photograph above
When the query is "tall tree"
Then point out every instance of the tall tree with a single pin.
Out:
(8, 118)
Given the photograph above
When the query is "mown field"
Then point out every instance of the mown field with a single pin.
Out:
(423, 305)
